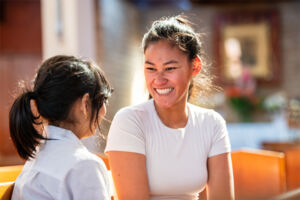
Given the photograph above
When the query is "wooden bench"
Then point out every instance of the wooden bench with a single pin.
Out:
(10, 173)
(6, 189)
(258, 174)
(289, 195)
(291, 149)
(292, 162)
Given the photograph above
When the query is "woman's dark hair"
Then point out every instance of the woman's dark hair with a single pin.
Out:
(178, 31)
(59, 82)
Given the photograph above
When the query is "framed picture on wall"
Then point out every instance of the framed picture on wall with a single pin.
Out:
(248, 40)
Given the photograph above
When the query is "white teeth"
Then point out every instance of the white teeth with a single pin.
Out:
(164, 91)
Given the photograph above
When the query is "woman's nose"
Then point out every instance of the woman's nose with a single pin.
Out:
(160, 78)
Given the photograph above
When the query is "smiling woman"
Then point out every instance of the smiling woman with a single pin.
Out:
(168, 73)
(167, 148)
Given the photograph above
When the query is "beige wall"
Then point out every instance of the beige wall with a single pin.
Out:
(68, 27)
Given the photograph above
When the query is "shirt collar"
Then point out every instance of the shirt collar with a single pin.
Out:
(57, 133)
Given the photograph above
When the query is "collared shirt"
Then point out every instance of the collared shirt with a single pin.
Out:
(62, 169)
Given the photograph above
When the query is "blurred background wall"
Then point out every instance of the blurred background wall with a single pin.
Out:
(20, 54)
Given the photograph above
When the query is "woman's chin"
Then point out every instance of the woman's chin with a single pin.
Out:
(163, 104)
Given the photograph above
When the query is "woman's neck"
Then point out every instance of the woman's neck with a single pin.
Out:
(71, 127)
(175, 117)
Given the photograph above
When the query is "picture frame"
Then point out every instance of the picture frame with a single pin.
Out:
(248, 40)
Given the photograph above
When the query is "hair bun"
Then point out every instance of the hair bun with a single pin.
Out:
(182, 19)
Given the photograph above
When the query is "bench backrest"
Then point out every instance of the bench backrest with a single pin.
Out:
(6, 189)
(258, 174)
(292, 161)
(10, 173)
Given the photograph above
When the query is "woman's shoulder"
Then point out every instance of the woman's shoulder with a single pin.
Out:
(65, 159)
(84, 155)
(135, 110)
(90, 160)
(83, 158)
(205, 113)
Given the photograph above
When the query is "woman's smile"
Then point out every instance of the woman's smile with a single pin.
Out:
(164, 91)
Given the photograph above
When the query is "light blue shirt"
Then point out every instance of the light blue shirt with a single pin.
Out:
(62, 169)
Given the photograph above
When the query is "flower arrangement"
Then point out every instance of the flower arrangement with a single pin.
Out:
(242, 97)
(242, 102)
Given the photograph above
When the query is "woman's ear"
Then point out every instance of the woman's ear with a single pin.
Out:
(197, 65)
(84, 104)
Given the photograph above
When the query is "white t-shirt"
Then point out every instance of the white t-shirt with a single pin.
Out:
(176, 159)
(63, 169)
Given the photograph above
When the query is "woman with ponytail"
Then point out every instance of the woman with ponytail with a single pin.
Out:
(46, 124)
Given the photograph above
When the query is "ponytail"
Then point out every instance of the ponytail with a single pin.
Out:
(60, 81)
(21, 119)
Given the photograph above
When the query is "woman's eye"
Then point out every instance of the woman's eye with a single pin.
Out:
(150, 68)
(170, 68)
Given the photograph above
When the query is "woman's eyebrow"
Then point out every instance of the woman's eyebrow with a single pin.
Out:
(166, 63)
(148, 62)
(171, 62)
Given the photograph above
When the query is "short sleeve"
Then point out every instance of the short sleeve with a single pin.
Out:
(126, 133)
(220, 139)
(86, 180)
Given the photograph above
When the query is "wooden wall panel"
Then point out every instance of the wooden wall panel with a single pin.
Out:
(20, 28)
(20, 54)
(13, 69)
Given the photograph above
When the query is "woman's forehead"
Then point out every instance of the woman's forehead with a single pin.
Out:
(165, 51)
